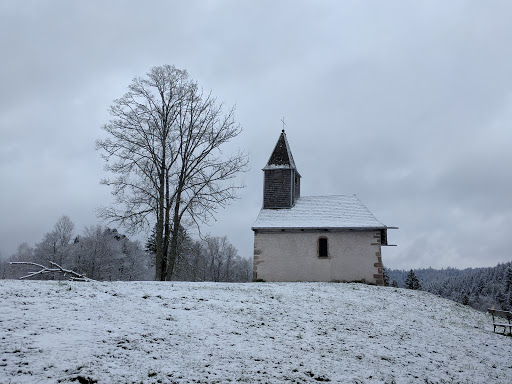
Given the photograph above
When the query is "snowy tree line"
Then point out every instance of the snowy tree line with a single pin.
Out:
(102, 253)
(209, 259)
(480, 288)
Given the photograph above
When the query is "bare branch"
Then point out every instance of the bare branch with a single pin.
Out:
(164, 148)
(58, 269)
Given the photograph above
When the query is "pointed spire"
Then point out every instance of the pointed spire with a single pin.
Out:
(281, 185)
(282, 155)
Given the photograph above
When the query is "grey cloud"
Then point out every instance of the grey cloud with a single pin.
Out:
(405, 103)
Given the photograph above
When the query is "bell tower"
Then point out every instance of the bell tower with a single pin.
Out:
(281, 185)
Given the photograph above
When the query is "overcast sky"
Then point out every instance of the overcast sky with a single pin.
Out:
(407, 104)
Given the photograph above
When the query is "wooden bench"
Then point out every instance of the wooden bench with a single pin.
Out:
(496, 313)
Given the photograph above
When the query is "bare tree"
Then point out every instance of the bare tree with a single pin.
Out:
(211, 259)
(64, 230)
(24, 252)
(164, 150)
(55, 244)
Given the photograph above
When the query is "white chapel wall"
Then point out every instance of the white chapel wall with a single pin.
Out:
(293, 256)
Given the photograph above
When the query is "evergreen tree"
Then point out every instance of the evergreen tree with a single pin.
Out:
(182, 243)
(508, 279)
(385, 277)
(501, 299)
(411, 281)
(484, 287)
(509, 300)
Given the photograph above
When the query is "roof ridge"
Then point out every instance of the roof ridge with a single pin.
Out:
(340, 194)
(335, 211)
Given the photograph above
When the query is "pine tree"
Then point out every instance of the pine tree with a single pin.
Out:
(509, 300)
(508, 279)
(417, 284)
(183, 238)
(501, 299)
(385, 277)
(411, 281)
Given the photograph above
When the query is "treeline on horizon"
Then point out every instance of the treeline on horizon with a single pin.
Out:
(104, 254)
(480, 288)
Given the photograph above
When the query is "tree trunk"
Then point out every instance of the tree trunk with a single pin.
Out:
(167, 231)
(173, 250)
(160, 257)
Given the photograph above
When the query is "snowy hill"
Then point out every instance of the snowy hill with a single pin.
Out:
(149, 332)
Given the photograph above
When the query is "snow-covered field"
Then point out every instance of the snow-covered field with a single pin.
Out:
(149, 332)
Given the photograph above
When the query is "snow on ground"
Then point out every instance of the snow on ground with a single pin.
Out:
(150, 332)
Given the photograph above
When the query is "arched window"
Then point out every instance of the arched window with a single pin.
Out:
(323, 247)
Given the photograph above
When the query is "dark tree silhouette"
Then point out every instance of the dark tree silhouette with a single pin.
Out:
(411, 281)
(164, 148)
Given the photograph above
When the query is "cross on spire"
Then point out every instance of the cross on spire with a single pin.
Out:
(282, 120)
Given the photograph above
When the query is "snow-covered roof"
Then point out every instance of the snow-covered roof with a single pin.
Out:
(320, 212)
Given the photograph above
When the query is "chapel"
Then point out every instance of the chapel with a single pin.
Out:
(313, 238)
